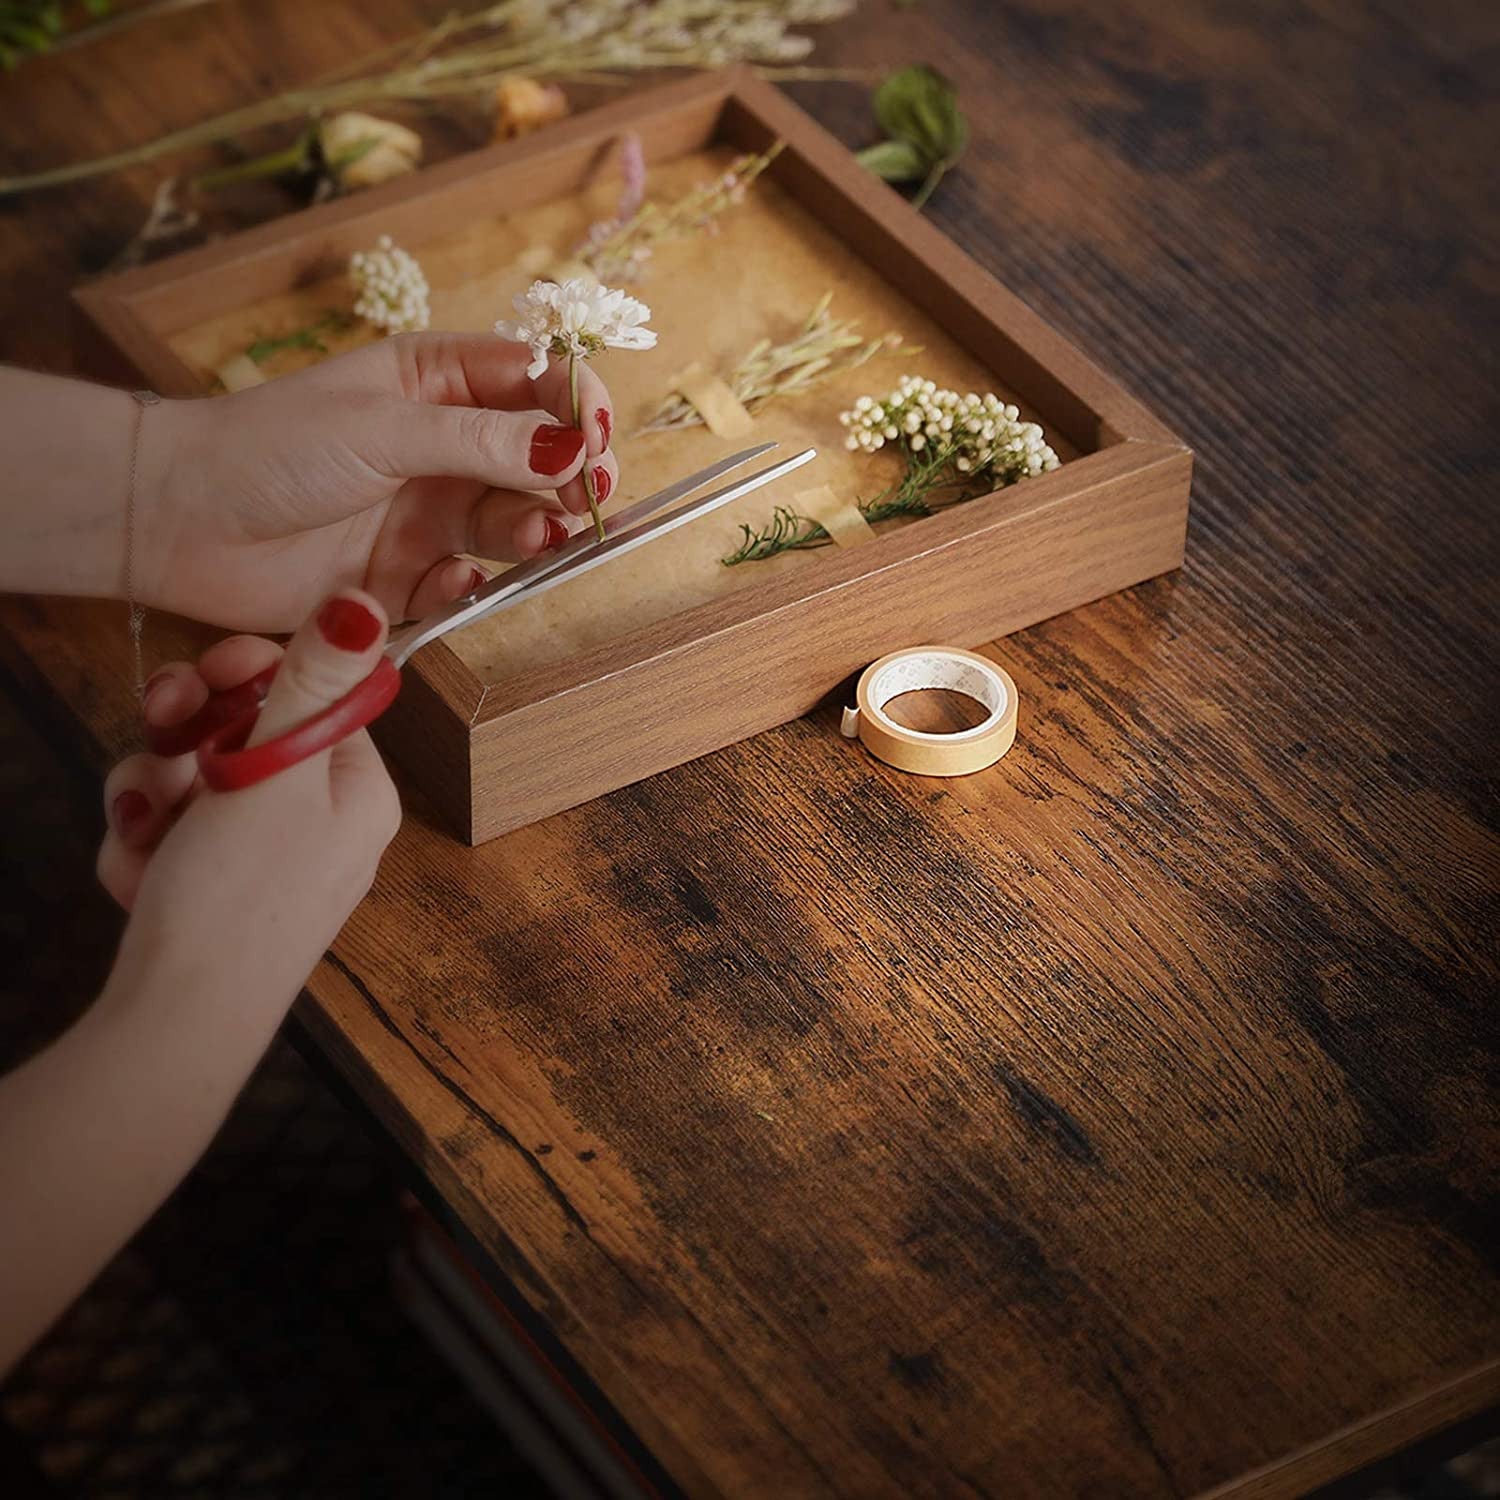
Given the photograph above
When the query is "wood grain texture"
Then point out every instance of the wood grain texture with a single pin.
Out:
(651, 697)
(1121, 1121)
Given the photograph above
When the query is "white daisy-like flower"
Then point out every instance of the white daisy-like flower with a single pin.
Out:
(575, 319)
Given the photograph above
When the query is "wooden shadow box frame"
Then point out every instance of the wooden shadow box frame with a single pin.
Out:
(720, 671)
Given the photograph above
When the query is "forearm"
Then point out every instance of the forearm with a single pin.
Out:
(96, 1131)
(68, 450)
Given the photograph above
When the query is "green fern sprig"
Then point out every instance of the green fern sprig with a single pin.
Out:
(787, 532)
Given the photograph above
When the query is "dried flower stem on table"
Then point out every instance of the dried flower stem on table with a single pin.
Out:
(574, 321)
(475, 52)
(347, 151)
(618, 251)
(822, 348)
(955, 448)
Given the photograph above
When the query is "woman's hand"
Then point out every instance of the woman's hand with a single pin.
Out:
(234, 898)
(371, 470)
(267, 875)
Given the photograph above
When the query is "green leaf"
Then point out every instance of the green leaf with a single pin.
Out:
(918, 105)
(362, 147)
(896, 161)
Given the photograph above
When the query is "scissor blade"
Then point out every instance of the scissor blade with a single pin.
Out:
(628, 541)
(526, 575)
(633, 515)
(587, 559)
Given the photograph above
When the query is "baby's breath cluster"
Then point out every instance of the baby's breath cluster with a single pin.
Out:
(979, 436)
(390, 288)
(955, 448)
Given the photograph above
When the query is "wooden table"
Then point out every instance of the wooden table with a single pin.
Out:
(1118, 1122)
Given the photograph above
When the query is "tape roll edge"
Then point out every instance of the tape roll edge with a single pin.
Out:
(922, 753)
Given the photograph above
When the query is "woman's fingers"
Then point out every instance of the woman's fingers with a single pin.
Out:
(141, 796)
(172, 693)
(236, 659)
(327, 658)
(443, 583)
(119, 869)
(514, 528)
(555, 394)
(605, 472)
(475, 369)
(145, 794)
(513, 450)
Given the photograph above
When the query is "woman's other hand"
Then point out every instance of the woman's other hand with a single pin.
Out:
(264, 876)
(233, 898)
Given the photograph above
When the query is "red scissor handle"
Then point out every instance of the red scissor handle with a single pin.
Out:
(219, 729)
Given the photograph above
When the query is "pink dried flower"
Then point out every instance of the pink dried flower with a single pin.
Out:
(633, 170)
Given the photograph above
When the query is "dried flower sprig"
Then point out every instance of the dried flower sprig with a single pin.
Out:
(632, 164)
(787, 532)
(574, 321)
(618, 251)
(822, 348)
(390, 288)
(345, 152)
(310, 337)
(955, 448)
(473, 53)
(522, 105)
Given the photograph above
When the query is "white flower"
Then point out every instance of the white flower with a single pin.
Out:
(391, 289)
(361, 150)
(981, 437)
(575, 320)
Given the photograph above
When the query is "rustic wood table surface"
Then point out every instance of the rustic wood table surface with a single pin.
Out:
(1120, 1121)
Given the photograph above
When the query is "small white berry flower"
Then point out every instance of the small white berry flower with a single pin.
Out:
(391, 291)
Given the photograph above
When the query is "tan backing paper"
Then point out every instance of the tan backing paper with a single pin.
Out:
(712, 299)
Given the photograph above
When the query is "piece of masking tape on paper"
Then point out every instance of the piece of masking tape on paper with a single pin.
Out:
(920, 751)
(719, 407)
(240, 373)
(840, 518)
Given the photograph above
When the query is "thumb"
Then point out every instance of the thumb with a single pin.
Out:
(328, 657)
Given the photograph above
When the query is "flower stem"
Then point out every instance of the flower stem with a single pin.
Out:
(294, 158)
(919, 201)
(588, 477)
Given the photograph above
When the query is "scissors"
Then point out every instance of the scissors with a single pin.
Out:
(219, 729)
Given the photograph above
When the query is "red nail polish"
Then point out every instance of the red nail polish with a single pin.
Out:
(476, 578)
(347, 624)
(603, 484)
(606, 423)
(557, 534)
(130, 811)
(554, 448)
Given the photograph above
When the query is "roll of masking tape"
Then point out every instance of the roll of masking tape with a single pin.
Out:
(918, 750)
